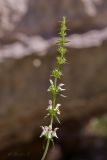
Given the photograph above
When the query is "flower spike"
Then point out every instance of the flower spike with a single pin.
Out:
(55, 88)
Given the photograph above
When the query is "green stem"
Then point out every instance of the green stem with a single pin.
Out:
(46, 150)
(51, 123)
(61, 43)
(54, 96)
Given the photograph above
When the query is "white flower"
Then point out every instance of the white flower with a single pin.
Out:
(48, 89)
(63, 96)
(60, 87)
(57, 108)
(51, 82)
(54, 133)
(50, 105)
(44, 132)
(48, 133)
(58, 119)
(53, 111)
(61, 84)
(58, 111)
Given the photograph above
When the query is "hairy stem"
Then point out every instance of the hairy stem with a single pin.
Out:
(46, 150)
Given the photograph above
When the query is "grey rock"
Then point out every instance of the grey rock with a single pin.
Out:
(23, 96)
(41, 17)
(24, 45)
(26, 61)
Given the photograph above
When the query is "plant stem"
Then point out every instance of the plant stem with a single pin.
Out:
(55, 89)
(54, 96)
(51, 123)
(46, 150)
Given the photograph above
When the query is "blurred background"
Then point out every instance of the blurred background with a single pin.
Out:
(28, 33)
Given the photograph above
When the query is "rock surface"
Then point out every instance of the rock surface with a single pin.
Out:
(23, 45)
(41, 17)
(11, 14)
(23, 85)
(26, 61)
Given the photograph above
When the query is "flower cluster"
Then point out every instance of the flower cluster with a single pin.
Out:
(55, 89)
(48, 133)
(53, 111)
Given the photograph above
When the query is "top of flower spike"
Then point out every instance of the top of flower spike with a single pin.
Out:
(63, 29)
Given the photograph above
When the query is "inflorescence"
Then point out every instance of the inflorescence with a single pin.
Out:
(55, 89)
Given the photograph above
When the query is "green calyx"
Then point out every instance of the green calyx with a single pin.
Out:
(53, 112)
(62, 51)
(56, 73)
(61, 60)
(54, 89)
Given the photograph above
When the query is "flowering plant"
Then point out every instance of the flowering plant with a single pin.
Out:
(55, 89)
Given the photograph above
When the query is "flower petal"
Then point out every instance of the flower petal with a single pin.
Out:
(61, 84)
(62, 89)
(50, 102)
(58, 105)
(54, 133)
(51, 82)
(63, 95)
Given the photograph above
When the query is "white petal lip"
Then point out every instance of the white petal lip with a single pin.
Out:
(50, 105)
(44, 131)
(58, 105)
(42, 127)
(54, 133)
(48, 89)
(61, 84)
(51, 82)
(41, 135)
(57, 108)
(50, 102)
(63, 95)
(62, 89)
(58, 119)
(56, 129)
(58, 112)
